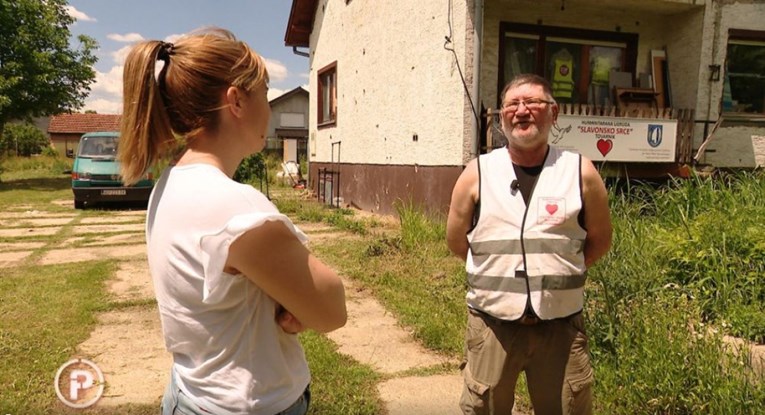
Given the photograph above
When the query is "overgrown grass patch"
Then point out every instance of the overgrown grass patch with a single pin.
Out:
(667, 361)
(35, 166)
(311, 211)
(45, 312)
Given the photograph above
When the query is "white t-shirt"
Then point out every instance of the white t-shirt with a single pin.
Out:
(229, 354)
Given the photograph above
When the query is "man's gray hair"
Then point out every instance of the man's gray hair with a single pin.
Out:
(528, 78)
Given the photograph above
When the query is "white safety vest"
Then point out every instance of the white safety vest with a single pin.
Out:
(544, 239)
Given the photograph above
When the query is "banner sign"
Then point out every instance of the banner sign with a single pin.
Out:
(617, 139)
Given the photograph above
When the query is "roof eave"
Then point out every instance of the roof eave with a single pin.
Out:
(300, 23)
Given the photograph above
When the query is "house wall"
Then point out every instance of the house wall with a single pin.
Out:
(61, 142)
(297, 103)
(400, 99)
(683, 43)
(404, 124)
(427, 187)
(732, 144)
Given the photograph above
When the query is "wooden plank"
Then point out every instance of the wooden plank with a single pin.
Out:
(658, 61)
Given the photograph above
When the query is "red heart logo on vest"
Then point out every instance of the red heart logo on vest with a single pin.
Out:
(551, 209)
(605, 146)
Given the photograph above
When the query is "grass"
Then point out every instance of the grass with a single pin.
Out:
(340, 385)
(686, 267)
(32, 181)
(45, 312)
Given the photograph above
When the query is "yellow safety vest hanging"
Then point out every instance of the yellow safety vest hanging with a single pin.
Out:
(563, 78)
(600, 70)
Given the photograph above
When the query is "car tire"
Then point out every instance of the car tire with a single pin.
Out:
(79, 204)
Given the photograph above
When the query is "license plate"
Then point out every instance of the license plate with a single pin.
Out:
(113, 192)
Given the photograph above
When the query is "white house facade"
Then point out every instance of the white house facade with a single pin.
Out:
(400, 90)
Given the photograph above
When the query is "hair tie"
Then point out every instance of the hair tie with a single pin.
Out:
(165, 50)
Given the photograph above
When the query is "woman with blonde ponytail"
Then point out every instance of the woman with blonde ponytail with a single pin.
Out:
(233, 279)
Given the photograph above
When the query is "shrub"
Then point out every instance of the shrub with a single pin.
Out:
(251, 168)
(22, 140)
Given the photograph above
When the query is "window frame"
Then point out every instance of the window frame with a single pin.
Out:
(543, 32)
(740, 35)
(331, 70)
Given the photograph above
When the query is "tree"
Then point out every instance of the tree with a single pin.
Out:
(23, 140)
(40, 73)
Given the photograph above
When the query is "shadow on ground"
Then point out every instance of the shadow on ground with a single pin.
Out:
(58, 183)
(130, 409)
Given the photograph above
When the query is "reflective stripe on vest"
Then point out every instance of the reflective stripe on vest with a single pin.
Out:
(518, 285)
(532, 246)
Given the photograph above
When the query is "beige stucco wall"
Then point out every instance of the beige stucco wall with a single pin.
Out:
(394, 81)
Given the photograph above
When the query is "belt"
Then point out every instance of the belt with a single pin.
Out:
(524, 320)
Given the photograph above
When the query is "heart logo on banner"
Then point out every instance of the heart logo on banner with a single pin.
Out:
(551, 209)
(605, 146)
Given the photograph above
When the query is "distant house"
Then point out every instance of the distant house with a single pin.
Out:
(65, 130)
(404, 87)
(288, 127)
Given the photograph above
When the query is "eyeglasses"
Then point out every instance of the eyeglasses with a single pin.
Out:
(531, 104)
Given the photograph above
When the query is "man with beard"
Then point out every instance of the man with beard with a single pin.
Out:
(528, 219)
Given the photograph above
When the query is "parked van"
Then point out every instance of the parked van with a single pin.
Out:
(96, 173)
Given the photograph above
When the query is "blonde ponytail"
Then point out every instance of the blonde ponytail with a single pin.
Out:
(145, 132)
(185, 98)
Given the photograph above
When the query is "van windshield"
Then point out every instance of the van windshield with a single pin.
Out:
(98, 147)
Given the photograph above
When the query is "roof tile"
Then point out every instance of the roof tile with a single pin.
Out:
(84, 123)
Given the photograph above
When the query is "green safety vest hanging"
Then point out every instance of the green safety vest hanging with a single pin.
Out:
(563, 78)
(600, 70)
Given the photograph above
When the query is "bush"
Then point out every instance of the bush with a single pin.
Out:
(259, 170)
(49, 151)
(22, 140)
(251, 168)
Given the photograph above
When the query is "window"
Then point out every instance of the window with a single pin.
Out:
(578, 63)
(327, 80)
(744, 81)
(291, 120)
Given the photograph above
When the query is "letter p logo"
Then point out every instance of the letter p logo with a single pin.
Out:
(79, 383)
(79, 379)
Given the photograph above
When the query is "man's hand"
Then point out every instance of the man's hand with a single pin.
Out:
(289, 323)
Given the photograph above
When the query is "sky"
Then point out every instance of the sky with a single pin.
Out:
(118, 24)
